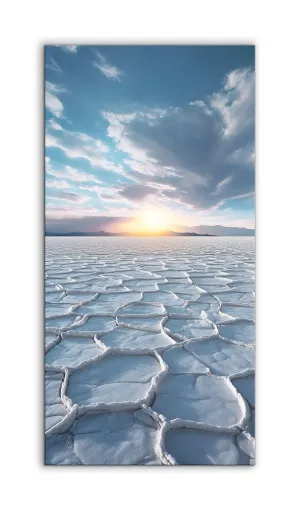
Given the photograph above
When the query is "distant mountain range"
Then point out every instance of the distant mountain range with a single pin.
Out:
(177, 230)
(81, 234)
(216, 230)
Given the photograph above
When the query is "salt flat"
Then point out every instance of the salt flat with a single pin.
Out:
(149, 350)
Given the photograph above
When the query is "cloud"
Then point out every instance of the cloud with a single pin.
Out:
(201, 154)
(80, 145)
(111, 72)
(69, 197)
(53, 65)
(202, 105)
(62, 220)
(196, 157)
(236, 102)
(137, 192)
(72, 174)
(69, 48)
(58, 184)
(48, 166)
(105, 193)
(55, 125)
(52, 103)
(222, 184)
(55, 88)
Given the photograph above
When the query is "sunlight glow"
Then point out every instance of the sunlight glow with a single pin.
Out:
(152, 221)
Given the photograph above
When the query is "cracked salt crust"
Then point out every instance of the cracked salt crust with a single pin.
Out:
(149, 351)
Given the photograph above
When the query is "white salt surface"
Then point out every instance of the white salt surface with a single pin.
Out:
(201, 447)
(149, 351)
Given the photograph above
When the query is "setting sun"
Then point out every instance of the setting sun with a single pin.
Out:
(152, 221)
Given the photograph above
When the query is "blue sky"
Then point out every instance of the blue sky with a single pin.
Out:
(149, 135)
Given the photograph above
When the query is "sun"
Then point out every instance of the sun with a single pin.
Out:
(152, 221)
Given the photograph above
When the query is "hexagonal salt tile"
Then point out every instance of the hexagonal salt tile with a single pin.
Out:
(113, 379)
(204, 398)
(223, 358)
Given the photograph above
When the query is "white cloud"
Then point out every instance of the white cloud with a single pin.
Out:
(58, 184)
(50, 141)
(202, 105)
(53, 65)
(147, 167)
(222, 184)
(55, 125)
(69, 48)
(72, 174)
(47, 163)
(79, 145)
(111, 72)
(236, 102)
(202, 153)
(67, 196)
(54, 105)
(55, 88)
(103, 192)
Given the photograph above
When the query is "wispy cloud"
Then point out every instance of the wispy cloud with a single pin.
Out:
(53, 104)
(69, 48)
(80, 145)
(53, 65)
(55, 88)
(58, 184)
(110, 194)
(72, 174)
(55, 125)
(69, 197)
(111, 72)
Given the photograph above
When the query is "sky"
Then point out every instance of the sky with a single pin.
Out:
(144, 138)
